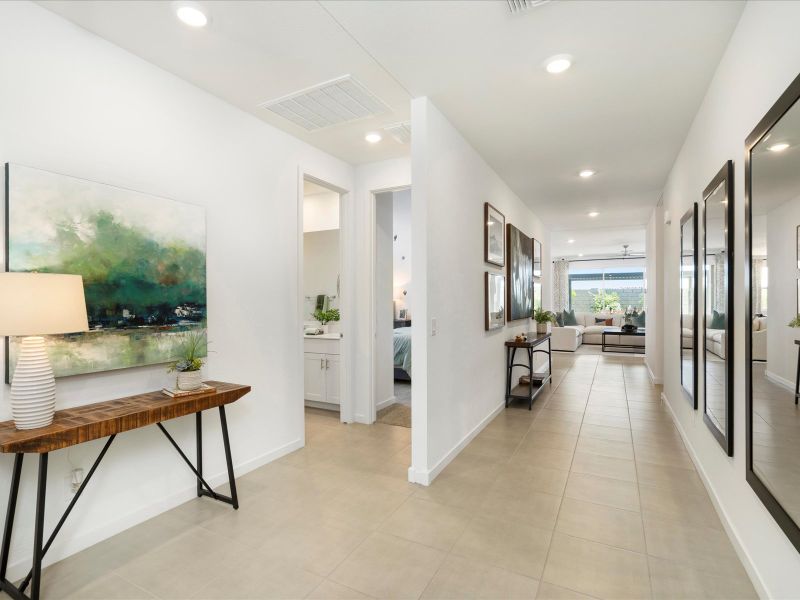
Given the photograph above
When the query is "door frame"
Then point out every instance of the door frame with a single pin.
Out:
(346, 291)
(373, 328)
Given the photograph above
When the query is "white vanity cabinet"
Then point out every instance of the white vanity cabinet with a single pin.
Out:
(321, 371)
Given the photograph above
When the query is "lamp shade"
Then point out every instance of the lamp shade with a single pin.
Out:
(41, 304)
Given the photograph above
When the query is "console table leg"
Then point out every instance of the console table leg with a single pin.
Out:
(199, 425)
(10, 510)
(226, 441)
(38, 535)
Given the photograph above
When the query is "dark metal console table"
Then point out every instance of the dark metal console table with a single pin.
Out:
(536, 380)
(91, 422)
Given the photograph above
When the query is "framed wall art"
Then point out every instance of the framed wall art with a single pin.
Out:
(495, 300)
(494, 241)
(520, 274)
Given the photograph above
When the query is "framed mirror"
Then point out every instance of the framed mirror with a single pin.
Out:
(689, 317)
(772, 212)
(718, 295)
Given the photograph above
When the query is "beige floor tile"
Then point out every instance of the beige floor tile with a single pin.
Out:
(614, 434)
(607, 421)
(360, 507)
(673, 455)
(548, 591)
(604, 466)
(330, 590)
(599, 523)
(546, 439)
(603, 447)
(533, 478)
(108, 587)
(555, 426)
(517, 501)
(461, 578)
(428, 523)
(600, 409)
(678, 506)
(672, 581)
(252, 577)
(311, 543)
(675, 478)
(505, 544)
(569, 416)
(385, 566)
(551, 458)
(596, 569)
(602, 490)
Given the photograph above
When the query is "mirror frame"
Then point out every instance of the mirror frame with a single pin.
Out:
(692, 213)
(780, 108)
(724, 176)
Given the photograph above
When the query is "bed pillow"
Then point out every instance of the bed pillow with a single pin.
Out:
(569, 318)
(717, 320)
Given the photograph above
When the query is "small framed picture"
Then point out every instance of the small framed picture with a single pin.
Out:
(495, 297)
(494, 232)
(537, 258)
(537, 295)
(403, 314)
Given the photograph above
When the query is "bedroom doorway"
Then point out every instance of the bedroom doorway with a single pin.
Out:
(393, 296)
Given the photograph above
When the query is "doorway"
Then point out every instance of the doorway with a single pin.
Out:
(321, 301)
(393, 297)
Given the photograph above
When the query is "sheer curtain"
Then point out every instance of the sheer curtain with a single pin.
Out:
(560, 285)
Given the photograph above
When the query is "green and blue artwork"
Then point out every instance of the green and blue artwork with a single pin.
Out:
(142, 258)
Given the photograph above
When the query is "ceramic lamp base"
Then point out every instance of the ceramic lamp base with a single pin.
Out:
(33, 389)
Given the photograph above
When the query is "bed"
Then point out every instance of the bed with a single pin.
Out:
(402, 353)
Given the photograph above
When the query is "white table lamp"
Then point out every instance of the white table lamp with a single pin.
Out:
(32, 305)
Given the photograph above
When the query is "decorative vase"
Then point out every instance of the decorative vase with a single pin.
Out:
(541, 327)
(189, 380)
(33, 389)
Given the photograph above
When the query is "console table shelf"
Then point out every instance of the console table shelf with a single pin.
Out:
(531, 346)
(81, 424)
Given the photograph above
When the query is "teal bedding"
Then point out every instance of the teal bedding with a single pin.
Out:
(402, 349)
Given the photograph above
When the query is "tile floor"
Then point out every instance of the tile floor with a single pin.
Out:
(589, 495)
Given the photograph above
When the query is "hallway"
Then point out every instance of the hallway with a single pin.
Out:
(590, 493)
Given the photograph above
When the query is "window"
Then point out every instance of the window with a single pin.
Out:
(603, 289)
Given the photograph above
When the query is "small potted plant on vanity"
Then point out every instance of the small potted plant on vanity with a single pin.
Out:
(188, 367)
(543, 319)
(326, 316)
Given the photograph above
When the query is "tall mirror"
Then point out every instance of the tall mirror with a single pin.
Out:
(689, 259)
(772, 186)
(718, 332)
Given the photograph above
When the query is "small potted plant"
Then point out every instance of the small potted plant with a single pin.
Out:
(188, 367)
(543, 319)
(326, 316)
(795, 322)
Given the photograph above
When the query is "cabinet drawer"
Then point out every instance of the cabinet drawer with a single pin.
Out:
(321, 346)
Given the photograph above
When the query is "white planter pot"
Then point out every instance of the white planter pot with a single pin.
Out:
(189, 380)
(542, 327)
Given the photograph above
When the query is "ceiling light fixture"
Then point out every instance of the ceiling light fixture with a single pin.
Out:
(593, 214)
(586, 173)
(373, 137)
(558, 63)
(778, 147)
(570, 241)
(191, 14)
(580, 254)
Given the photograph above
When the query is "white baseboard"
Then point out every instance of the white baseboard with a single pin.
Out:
(778, 380)
(384, 403)
(426, 477)
(730, 529)
(653, 378)
(60, 550)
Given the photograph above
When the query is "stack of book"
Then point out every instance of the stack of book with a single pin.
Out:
(176, 393)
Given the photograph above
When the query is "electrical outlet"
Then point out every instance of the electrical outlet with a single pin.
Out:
(76, 480)
(434, 327)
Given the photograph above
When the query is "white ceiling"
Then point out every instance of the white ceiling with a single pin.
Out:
(640, 72)
(597, 242)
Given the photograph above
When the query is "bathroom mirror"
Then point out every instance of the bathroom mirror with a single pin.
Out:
(717, 328)
(772, 209)
(688, 321)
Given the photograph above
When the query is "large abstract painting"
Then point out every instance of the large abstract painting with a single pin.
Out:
(142, 258)
(520, 274)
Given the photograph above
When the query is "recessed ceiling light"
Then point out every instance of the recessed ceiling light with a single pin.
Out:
(558, 64)
(778, 147)
(586, 173)
(373, 137)
(580, 254)
(570, 241)
(191, 14)
(593, 214)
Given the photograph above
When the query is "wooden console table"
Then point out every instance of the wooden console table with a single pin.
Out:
(91, 422)
(537, 380)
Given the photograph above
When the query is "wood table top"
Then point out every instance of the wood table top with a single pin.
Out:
(534, 339)
(94, 421)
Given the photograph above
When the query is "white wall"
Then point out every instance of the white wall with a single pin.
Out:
(321, 211)
(401, 224)
(73, 103)
(654, 354)
(369, 179)
(384, 307)
(451, 184)
(761, 60)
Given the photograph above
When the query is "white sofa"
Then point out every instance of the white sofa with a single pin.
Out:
(588, 331)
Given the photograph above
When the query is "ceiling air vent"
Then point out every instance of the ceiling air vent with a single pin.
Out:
(517, 6)
(331, 103)
(401, 132)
